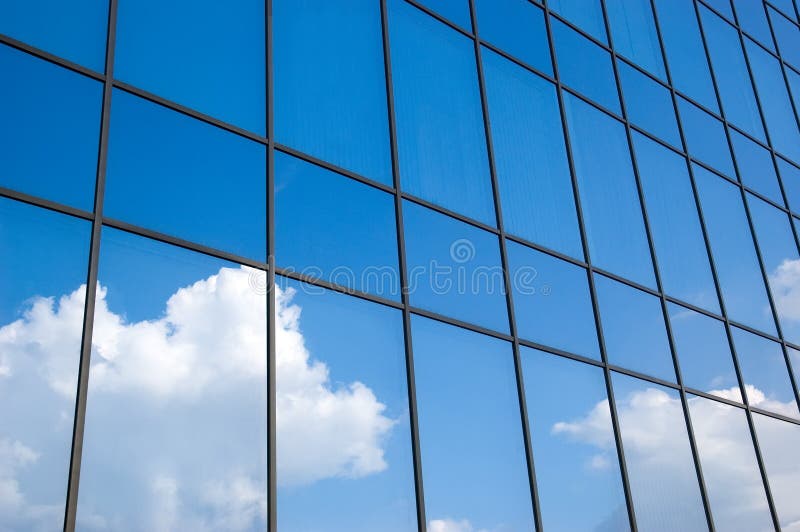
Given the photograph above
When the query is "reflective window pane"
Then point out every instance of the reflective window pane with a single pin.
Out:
(176, 415)
(609, 199)
(206, 55)
(779, 442)
(517, 27)
(50, 129)
(177, 175)
(454, 268)
(456, 11)
(648, 104)
(634, 33)
(343, 438)
(586, 14)
(530, 157)
(573, 444)
(472, 450)
(753, 20)
(786, 7)
(551, 301)
(705, 137)
(330, 89)
(788, 36)
(755, 167)
(584, 66)
(660, 466)
(723, 7)
(440, 135)
(633, 329)
(42, 296)
(790, 178)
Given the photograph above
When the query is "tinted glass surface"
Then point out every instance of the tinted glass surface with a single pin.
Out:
(516, 26)
(586, 14)
(753, 20)
(755, 167)
(456, 11)
(705, 137)
(648, 104)
(634, 33)
(778, 441)
(790, 178)
(788, 36)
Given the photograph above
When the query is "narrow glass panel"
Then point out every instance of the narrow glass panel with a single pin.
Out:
(573, 445)
(330, 89)
(779, 442)
(735, 257)
(343, 441)
(705, 137)
(730, 70)
(634, 33)
(675, 224)
(730, 470)
(586, 14)
(661, 471)
(790, 178)
(205, 54)
(648, 104)
(472, 450)
(440, 136)
(552, 303)
(73, 30)
(51, 129)
(686, 55)
(530, 156)
(454, 268)
(329, 239)
(516, 26)
(794, 86)
(456, 11)
(753, 20)
(42, 296)
(633, 329)
(609, 199)
(765, 375)
(176, 175)
(176, 415)
(585, 67)
(704, 353)
(755, 167)
(788, 36)
(723, 7)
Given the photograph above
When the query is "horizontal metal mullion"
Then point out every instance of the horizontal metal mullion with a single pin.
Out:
(45, 203)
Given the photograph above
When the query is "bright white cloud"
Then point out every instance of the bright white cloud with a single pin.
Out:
(451, 525)
(785, 285)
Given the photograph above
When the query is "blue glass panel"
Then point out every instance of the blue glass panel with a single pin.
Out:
(177, 175)
(42, 293)
(343, 435)
(472, 450)
(753, 20)
(786, 7)
(779, 441)
(454, 268)
(735, 257)
(585, 67)
(683, 45)
(332, 103)
(206, 55)
(788, 36)
(790, 178)
(586, 14)
(329, 239)
(723, 7)
(704, 353)
(609, 199)
(730, 70)
(456, 11)
(530, 157)
(675, 224)
(575, 468)
(634, 33)
(51, 130)
(517, 27)
(73, 30)
(551, 300)
(440, 135)
(755, 167)
(648, 104)
(705, 137)
(794, 85)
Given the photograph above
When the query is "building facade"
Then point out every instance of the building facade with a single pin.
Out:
(395, 265)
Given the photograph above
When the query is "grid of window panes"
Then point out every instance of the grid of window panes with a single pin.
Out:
(443, 265)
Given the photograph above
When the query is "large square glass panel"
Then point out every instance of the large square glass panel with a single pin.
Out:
(585, 14)
(330, 88)
(176, 414)
(456, 11)
(753, 20)
(50, 129)
(779, 441)
(633, 31)
(536, 194)
(205, 54)
(320, 228)
(755, 166)
(42, 297)
(633, 329)
(661, 469)
(573, 445)
(517, 27)
(551, 301)
(73, 30)
(705, 137)
(180, 176)
(343, 438)
(585, 66)
(441, 141)
(454, 268)
(609, 198)
(675, 224)
(648, 104)
(472, 449)
(788, 36)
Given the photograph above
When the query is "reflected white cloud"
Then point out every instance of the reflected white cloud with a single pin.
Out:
(785, 285)
(452, 525)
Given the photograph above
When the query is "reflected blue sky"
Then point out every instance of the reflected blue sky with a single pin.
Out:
(648, 104)
(516, 26)
(633, 30)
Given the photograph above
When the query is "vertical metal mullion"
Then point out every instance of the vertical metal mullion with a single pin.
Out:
(404, 292)
(523, 410)
(79, 420)
(657, 273)
(272, 432)
(590, 278)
